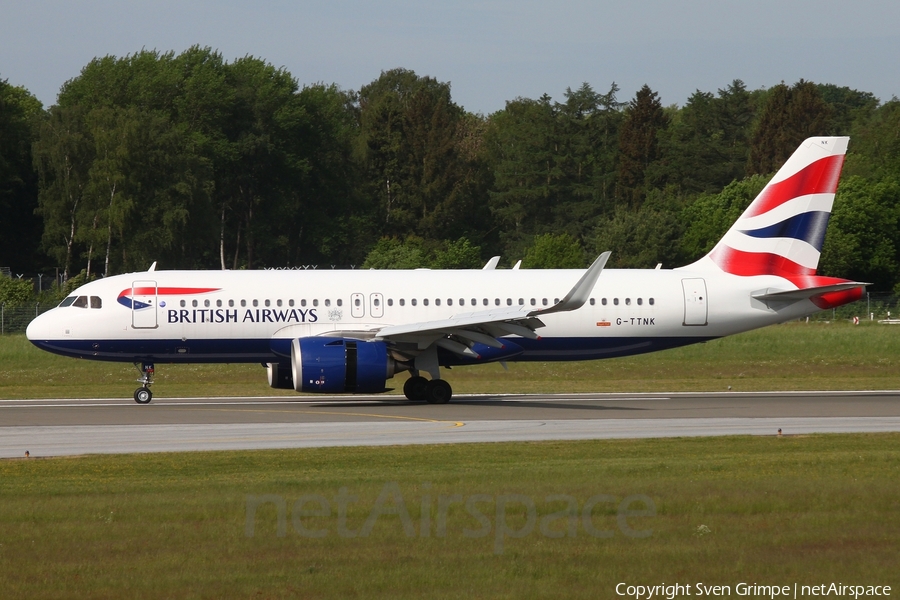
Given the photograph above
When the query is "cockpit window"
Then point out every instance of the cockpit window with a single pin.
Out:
(81, 302)
(96, 302)
(67, 301)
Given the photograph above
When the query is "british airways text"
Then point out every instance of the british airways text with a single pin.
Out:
(258, 315)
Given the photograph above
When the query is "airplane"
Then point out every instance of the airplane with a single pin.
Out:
(350, 331)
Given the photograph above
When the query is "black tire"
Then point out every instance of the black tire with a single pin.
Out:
(415, 389)
(438, 391)
(143, 395)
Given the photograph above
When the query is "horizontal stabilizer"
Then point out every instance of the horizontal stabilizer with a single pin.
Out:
(770, 294)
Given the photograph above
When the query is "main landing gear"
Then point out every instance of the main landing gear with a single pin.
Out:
(143, 395)
(435, 391)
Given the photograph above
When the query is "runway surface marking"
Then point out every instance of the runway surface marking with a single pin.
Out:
(55, 427)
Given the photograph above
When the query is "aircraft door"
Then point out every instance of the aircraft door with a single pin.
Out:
(695, 312)
(143, 305)
(357, 306)
(376, 308)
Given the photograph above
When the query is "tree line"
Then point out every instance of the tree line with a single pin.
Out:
(196, 162)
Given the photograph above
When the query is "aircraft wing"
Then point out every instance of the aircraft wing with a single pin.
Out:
(460, 332)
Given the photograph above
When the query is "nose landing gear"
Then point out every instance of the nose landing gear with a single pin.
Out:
(143, 395)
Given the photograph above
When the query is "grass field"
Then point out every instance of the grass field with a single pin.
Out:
(775, 511)
(814, 356)
(498, 520)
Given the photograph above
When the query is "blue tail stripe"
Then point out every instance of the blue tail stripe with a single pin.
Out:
(809, 227)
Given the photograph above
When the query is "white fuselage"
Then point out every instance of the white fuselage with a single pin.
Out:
(232, 316)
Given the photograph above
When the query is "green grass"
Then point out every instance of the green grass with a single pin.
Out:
(806, 509)
(816, 356)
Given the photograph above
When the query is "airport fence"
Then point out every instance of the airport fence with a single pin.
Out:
(873, 307)
(14, 319)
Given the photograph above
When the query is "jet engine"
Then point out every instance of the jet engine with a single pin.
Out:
(340, 365)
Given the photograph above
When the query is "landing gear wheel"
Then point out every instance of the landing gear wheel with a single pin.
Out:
(438, 391)
(415, 388)
(143, 395)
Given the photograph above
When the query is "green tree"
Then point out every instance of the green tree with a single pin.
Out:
(460, 254)
(409, 142)
(708, 217)
(642, 237)
(393, 253)
(551, 251)
(863, 239)
(20, 228)
(15, 292)
(790, 115)
(639, 142)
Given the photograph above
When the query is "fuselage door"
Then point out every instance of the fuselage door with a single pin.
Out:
(377, 305)
(143, 304)
(694, 301)
(357, 306)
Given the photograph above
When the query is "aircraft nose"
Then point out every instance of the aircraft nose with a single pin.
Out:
(37, 329)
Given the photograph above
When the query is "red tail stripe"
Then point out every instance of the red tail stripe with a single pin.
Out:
(820, 177)
(747, 264)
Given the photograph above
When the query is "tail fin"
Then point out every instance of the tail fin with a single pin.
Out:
(782, 231)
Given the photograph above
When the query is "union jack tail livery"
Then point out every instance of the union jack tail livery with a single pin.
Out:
(782, 231)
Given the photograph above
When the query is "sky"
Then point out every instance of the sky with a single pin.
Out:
(491, 51)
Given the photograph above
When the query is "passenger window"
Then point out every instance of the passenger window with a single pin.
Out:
(376, 302)
(640, 301)
(650, 301)
(413, 301)
(81, 302)
(593, 302)
(255, 303)
(303, 302)
(474, 302)
(243, 303)
(603, 301)
(278, 302)
(390, 301)
(616, 301)
(291, 302)
(96, 302)
(219, 303)
(327, 302)
(509, 301)
(425, 302)
(496, 301)
(449, 301)
(268, 303)
(206, 303)
(485, 301)
(544, 301)
(533, 302)
(627, 301)
(402, 302)
(340, 302)
(194, 303)
(230, 303)
(316, 302)
(357, 302)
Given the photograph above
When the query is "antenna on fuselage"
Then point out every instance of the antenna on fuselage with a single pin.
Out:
(152, 267)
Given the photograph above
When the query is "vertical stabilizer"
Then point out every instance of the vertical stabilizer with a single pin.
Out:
(782, 231)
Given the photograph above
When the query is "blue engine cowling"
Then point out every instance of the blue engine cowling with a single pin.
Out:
(340, 365)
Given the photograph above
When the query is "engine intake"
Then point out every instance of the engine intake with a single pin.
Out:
(340, 365)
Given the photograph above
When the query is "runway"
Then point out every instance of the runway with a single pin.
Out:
(59, 427)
